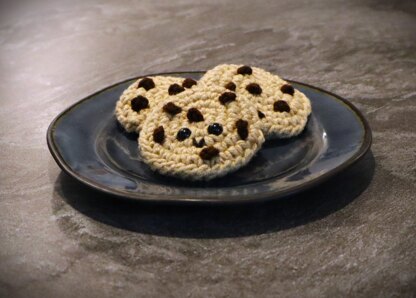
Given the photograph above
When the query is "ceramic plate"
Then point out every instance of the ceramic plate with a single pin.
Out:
(88, 144)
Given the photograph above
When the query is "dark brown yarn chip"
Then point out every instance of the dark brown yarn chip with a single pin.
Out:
(159, 135)
(227, 97)
(175, 89)
(194, 115)
(245, 70)
(172, 109)
(254, 88)
(209, 153)
(146, 83)
(281, 106)
(288, 89)
(188, 83)
(230, 86)
(261, 114)
(198, 144)
(242, 128)
(139, 103)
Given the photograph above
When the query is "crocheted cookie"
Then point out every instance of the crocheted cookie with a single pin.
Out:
(201, 134)
(283, 110)
(139, 98)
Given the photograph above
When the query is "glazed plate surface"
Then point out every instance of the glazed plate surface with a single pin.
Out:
(87, 143)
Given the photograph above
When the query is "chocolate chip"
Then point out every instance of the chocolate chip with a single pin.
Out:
(281, 106)
(227, 97)
(188, 83)
(146, 83)
(175, 89)
(245, 70)
(261, 115)
(139, 103)
(194, 115)
(183, 134)
(209, 153)
(242, 128)
(230, 86)
(199, 144)
(159, 135)
(288, 89)
(171, 108)
(215, 129)
(254, 88)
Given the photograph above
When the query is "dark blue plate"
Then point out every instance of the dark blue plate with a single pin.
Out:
(88, 144)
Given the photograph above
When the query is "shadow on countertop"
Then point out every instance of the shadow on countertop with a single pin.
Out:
(217, 221)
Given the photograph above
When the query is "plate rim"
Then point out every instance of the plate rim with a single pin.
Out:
(211, 200)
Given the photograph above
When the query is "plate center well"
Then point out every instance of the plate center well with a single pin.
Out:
(277, 157)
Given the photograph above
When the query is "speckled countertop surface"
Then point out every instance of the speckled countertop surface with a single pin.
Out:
(352, 236)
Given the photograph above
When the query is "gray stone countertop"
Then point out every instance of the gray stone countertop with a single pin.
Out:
(353, 236)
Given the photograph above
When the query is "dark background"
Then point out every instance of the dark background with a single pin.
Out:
(352, 236)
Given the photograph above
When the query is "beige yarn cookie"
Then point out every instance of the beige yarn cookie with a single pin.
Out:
(142, 96)
(283, 110)
(200, 134)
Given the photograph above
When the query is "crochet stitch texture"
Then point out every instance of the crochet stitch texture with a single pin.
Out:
(284, 119)
(224, 150)
(131, 120)
(207, 129)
